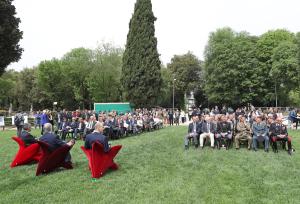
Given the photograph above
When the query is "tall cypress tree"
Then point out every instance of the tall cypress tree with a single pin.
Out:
(10, 35)
(141, 76)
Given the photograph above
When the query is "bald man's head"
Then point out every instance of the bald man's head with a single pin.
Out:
(47, 128)
(99, 127)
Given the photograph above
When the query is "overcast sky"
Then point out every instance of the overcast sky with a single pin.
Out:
(53, 27)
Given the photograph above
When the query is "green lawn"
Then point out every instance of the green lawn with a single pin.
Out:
(154, 168)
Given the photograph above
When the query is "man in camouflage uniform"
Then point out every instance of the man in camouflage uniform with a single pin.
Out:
(243, 132)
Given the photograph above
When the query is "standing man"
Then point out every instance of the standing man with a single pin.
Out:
(19, 122)
(37, 120)
(171, 117)
(260, 132)
(44, 120)
(177, 114)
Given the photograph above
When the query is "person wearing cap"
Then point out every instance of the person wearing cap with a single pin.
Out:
(224, 131)
(278, 132)
(243, 132)
(27, 138)
(260, 133)
(97, 136)
(193, 132)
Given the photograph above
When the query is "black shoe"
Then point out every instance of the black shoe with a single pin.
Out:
(267, 150)
(186, 147)
(237, 148)
(196, 146)
(290, 152)
(249, 148)
(255, 149)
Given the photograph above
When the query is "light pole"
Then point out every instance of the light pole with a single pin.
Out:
(173, 93)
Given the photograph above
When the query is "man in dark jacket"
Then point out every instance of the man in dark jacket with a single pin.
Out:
(44, 120)
(194, 131)
(260, 131)
(54, 142)
(27, 138)
(97, 136)
(19, 122)
(278, 132)
(224, 131)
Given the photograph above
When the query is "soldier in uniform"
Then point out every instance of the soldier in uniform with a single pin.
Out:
(243, 132)
(224, 132)
(278, 132)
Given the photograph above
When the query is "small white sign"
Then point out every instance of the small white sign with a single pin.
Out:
(2, 121)
(25, 119)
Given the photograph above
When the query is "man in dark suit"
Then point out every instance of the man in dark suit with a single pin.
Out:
(260, 131)
(224, 131)
(80, 128)
(65, 127)
(73, 127)
(53, 140)
(171, 117)
(27, 138)
(278, 132)
(194, 131)
(97, 136)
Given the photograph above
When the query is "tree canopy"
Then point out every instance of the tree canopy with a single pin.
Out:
(141, 76)
(10, 35)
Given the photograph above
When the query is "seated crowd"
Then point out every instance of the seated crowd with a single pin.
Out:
(223, 129)
(159, 115)
(115, 125)
(78, 124)
(94, 127)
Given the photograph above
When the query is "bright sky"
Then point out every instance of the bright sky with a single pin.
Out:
(53, 27)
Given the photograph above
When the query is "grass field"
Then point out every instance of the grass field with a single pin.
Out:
(154, 168)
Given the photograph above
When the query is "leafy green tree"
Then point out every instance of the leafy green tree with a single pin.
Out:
(104, 79)
(285, 71)
(77, 65)
(186, 69)
(10, 35)
(230, 68)
(24, 85)
(165, 98)
(265, 47)
(55, 85)
(141, 76)
(7, 87)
